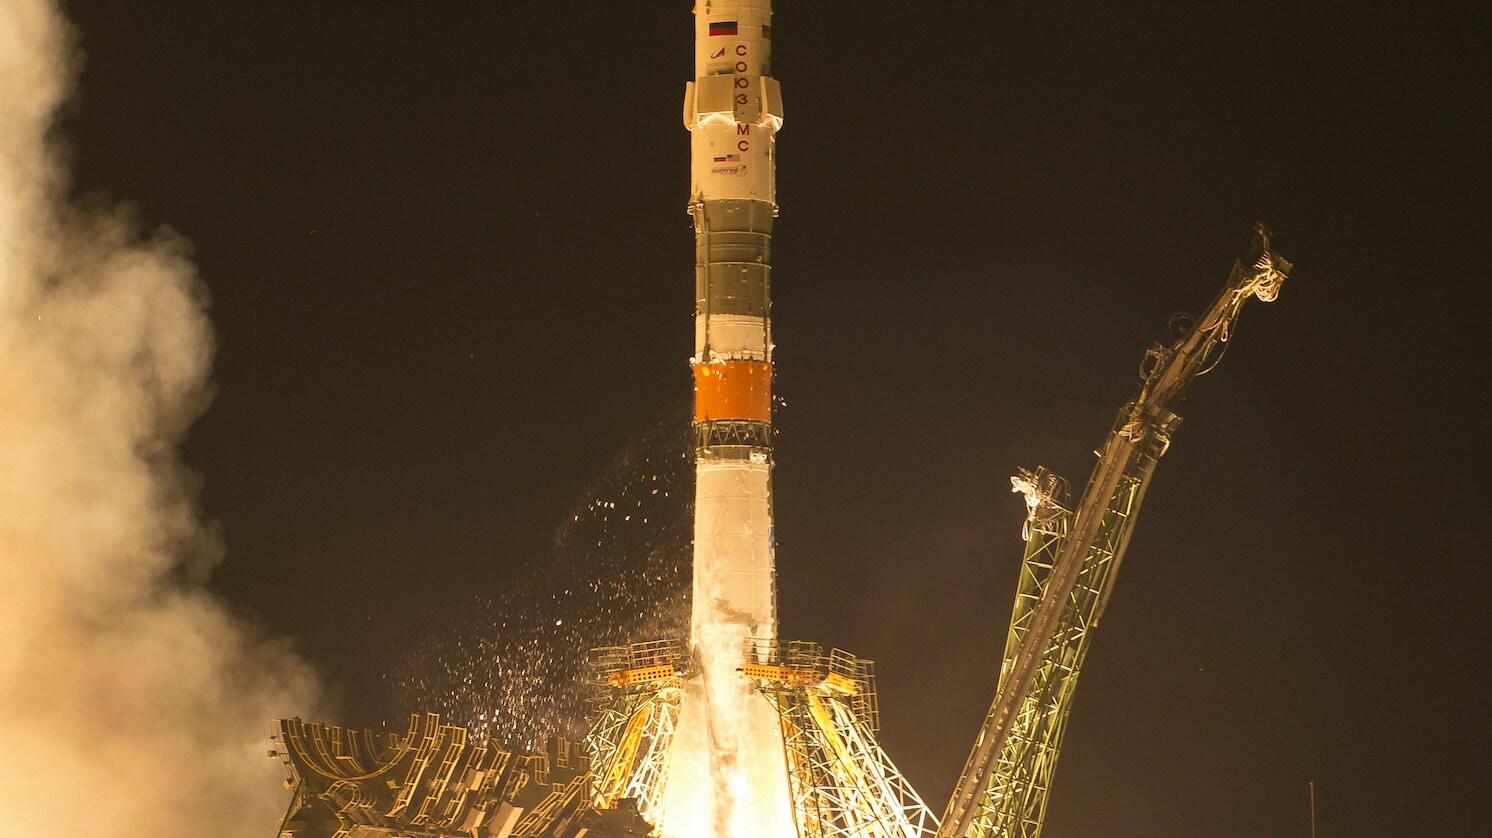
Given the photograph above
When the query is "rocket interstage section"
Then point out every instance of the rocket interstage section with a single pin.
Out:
(733, 110)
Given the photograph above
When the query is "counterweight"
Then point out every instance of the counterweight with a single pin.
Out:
(1071, 559)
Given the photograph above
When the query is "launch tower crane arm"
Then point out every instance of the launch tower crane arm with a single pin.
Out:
(1197, 351)
(1071, 559)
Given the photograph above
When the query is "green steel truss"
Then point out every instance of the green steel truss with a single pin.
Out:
(1014, 803)
(1071, 559)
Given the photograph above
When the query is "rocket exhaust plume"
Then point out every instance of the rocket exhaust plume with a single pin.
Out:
(131, 702)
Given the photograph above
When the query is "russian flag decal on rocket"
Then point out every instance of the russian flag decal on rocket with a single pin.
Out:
(725, 27)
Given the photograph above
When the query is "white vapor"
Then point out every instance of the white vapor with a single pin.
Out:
(131, 703)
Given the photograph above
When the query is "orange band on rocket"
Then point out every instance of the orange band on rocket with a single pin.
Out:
(733, 390)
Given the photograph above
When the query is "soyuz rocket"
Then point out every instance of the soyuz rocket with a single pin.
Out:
(727, 776)
(733, 110)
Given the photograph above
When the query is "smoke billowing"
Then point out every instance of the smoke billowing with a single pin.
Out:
(131, 703)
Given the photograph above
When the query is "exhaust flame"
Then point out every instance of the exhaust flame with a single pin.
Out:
(125, 688)
(729, 775)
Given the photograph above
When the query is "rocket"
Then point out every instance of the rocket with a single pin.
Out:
(733, 110)
(726, 777)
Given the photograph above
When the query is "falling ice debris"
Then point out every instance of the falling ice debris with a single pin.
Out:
(513, 667)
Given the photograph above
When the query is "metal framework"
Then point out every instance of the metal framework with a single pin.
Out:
(1067, 575)
(432, 782)
(842, 785)
(841, 782)
(637, 712)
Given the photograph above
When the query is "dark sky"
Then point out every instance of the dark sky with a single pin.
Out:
(451, 276)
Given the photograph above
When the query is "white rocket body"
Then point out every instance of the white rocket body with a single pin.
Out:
(727, 777)
(733, 111)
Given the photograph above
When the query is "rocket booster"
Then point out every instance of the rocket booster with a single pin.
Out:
(733, 110)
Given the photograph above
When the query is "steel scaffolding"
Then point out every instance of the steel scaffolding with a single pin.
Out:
(637, 712)
(841, 782)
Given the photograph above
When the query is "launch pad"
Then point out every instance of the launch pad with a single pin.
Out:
(840, 781)
(435, 782)
(735, 733)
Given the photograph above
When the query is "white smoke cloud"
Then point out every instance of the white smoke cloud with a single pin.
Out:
(131, 703)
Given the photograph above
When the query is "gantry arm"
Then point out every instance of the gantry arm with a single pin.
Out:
(1069, 572)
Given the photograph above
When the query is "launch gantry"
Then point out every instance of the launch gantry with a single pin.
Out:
(640, 691)
(1072, 555)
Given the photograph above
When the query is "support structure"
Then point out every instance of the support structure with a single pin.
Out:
(433, 782)
(842, 784)
(640, 689)
(1068, 573)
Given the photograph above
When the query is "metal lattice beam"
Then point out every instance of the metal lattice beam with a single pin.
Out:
(840, 782)
(1068, 573)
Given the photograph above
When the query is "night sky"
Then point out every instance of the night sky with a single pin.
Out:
(451, 276)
